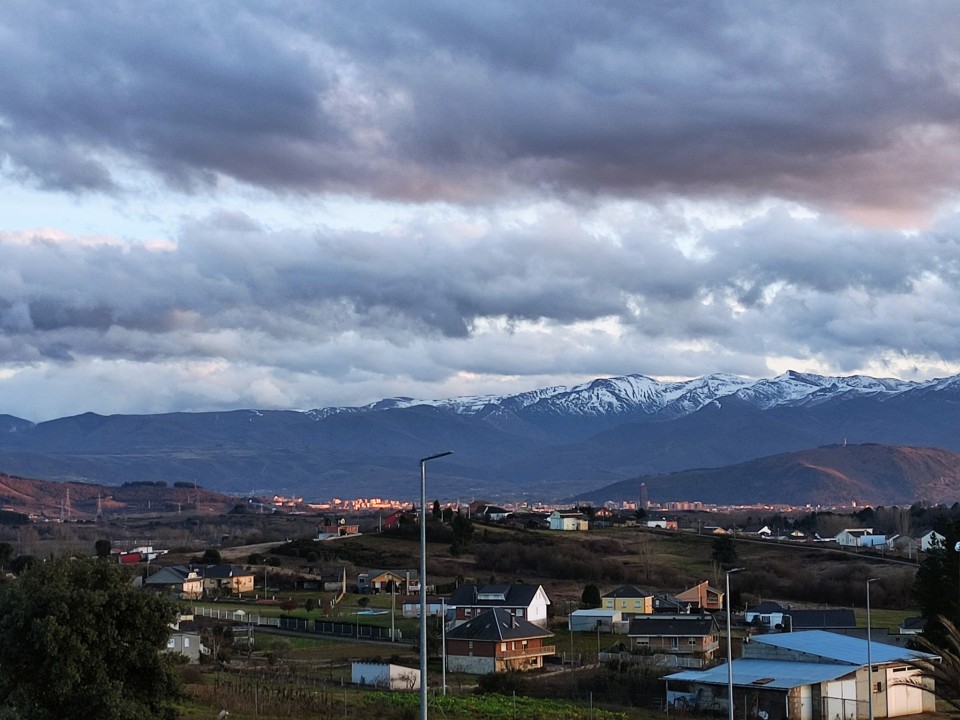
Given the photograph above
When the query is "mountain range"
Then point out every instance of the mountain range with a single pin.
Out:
(545, 444)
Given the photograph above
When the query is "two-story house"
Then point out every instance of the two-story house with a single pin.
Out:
(702, 597)
(496, 641)
(522, 601)
(694, 636)
(629, 599)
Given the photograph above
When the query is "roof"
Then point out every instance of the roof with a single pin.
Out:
(780, 674)
(768, 606)
(628, 591)
(822, 619)
(515, 595)
(676, 625)
(170, 575)
(913, 623)
(222, 571)
(495, 625)
(838, 648)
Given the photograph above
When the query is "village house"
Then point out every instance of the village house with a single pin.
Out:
(702, 597)
(401, 582)
(693, 639)
(812, 675)
(384, 675)
(930, 540)
(184, 638)
(629, 599)
(222, 579)
(569, 520)
(436, 606)
(330, 529)
(496, 641)
(593, 619)
(177, 581)
(527, 602)
(663, 524)
(774, 616)
(852, 537)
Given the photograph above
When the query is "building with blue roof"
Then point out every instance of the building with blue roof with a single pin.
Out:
(813, 675)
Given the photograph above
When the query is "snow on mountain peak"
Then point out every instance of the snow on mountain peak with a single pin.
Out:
(645, 396)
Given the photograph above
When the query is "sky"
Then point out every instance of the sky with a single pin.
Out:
(293, 205)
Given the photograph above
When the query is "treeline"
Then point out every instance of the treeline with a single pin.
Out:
(179, 484)
(917, 518)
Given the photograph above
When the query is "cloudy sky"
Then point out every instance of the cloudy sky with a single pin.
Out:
(293, 205)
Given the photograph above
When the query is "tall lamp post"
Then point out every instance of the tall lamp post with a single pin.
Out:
(726, 597)
(869, 656)
(423, 579)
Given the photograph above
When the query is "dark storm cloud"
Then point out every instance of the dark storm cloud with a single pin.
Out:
(852, 106)
(232, 289)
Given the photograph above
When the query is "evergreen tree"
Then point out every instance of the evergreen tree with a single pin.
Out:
(78, 642)
(590, 598)
(724, 550)
(936, 587)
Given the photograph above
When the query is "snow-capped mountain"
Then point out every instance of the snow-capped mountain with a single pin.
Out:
(642, 396)
(546, 443)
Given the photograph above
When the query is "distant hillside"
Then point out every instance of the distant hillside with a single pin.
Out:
(80, 501)
(541, 445)
(830, 475)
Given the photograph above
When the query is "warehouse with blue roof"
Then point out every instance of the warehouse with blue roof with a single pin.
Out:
(812, 675)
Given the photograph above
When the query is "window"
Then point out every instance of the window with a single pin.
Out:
(503, 647)
(470, 645)
(520, 612)
(186, 642)
(637, 603)
(692, 641)
(171, 644)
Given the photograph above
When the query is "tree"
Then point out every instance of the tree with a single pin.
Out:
(437, 512)
(6, 552)
(102, 548)
(21, 563)
(211, 556)
(724, 550)
(590, 598)
(935, 587)
(945, 671)
(79, 642)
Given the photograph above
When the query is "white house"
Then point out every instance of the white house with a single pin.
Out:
(520, 600)
(385, 675)
(930, 539)
(852, 537)
(568, 520)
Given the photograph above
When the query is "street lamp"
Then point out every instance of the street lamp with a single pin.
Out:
(869, 656)
(423, 579)
(730, 572)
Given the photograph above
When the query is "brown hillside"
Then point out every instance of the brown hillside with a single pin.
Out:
(79, 501)
(830, 475)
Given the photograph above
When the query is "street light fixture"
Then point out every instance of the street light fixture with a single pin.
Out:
(726, 597)
(423, 579)
(869, 656)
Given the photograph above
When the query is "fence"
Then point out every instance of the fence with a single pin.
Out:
(320, 627)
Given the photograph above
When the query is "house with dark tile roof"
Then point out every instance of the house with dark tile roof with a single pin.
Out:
(629, 599)
(523, 601)
(697, 636)
(496, 641)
